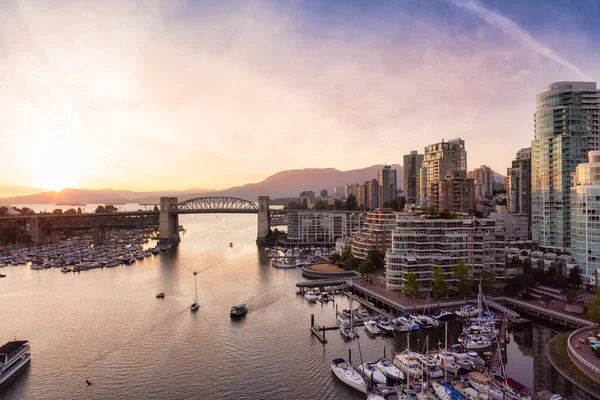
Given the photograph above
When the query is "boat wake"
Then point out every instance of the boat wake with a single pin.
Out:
(265, 299)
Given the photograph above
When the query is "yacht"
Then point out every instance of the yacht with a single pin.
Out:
(447, 362)
(195, 306)
(388, 368)
(13, 356)
(363, 312)
(372, 373)
(310, 296)
(463, 360)
(467, 311)
(400, 326)
(371, 326)
(484, 384)
(346, 330)
(64, 269)
(441, 392)
(408, 320)
(384, 326)
(425, 322)
(347, 374)
(475, 342)
(473, 356)
(408, 364)
(429, 366)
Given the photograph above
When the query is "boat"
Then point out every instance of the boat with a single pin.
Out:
(463, 360)
(467, 311)
(384, 326)
(408, 364)
(484, 384)
(467, 391)
(155, 250)
(425, 321)
(195, 306)
(310, 296)
(13, 356)
(346, 330)
(442, 315)
(160, 295)
(447, 362)
(238, 310)
(2, 275)
(441, 392)
(372, 373)
(475, 342)
(400, 326)
(512, 389)
(387, 367)
(325, 297)
(408, 320)
(429, 366)
(371, 326)
(281, 264)
(348, 375)
(363, 312)
(230, 244)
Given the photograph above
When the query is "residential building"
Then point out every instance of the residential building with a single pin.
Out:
(324, 194)
(453, 193)
(566, 128)
(585, 218)
(518, 189)
(412, 168)
(377, 232)
(323, 226)
(515, 226)
(349, 190)
(421, 243)
(422, 200)
(338, 192)
(387, 185)
(372, 195)
(483, 180)
(361, 195)
(441, 158)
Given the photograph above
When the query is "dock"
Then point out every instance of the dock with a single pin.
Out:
(367, 304)
(321, 283)
(319, 331)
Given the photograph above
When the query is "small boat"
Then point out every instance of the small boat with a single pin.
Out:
(230, 244)
(442, 315)
(2, 276)
(467, 311)
(267, 248)
(372, 373)
(160, 295)
(310, 296)
(347, 374)
(484, 384)
(441, 392)
(346, 330)
(195, 306)
(425, 322)
(280, 264)
(447, 362)
(475, 342)
(384, 326)
(387, 367)
(238, 310)
(429, 366)
(408, 364)
(363, 312)
(400, 326)
(371, 326)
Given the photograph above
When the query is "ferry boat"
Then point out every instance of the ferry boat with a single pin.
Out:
(13, 356)
(347, 374)
(238, 310)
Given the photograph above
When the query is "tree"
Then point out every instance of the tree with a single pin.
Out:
(338, 204)
(57, 211)
(351, 262)
(439, 284)
(81, 212)
(594, 308)
(347, 252)
(305, 204)
(110, 209)
(100, 209)
(3, 211)
(431, 211)
(376, 257)
(461, 273)
(411, 287)
(574, 276)
(351, 204)
(71, 211)
(335, 257)
(571, 296)
(366, 267)
(488, 282)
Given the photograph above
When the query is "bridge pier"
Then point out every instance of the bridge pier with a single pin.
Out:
(99, 236)
(168, 221)
(263, 219)
(37, 234)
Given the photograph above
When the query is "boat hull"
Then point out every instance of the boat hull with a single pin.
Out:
(16, 369)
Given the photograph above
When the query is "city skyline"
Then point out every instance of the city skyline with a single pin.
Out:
(173, 96)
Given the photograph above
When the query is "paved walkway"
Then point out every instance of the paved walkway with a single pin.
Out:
(585, 351)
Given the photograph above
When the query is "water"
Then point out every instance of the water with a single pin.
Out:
(106, 325)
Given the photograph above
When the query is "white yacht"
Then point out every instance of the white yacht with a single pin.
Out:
(467, 311)
(447, 362)
(363, 312)
(310, 296)
(475, 342)
(408, 364)
(484, 384)
(400, 326)
(388, 368)
(385, 327)
(347, 374)
(13, 356)
(371, 326)
(441, 392)
(372, 373)
(429, 366)
(463, 360)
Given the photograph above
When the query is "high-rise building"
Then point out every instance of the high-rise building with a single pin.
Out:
(422, 199)
(372, 194)
(387, 185)
(361, 195)
(566, 128)
(349, 190)
(453, 193)
(412, 167)
(441, 158)
(484, 181)
(338, 192)
(324, 193)
(585, 218)
(518, 177)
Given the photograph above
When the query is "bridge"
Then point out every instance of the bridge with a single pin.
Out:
(44, 227)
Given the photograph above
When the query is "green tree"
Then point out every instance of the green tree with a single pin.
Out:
(439, 284)
(100, 209)
(351, 204)
(335, 257)
(71, 211)
(488, 282)
(376, 257)
(594, 308)
(111, 209)
(81, 212)
(461, 273)
(574, 276)
(351, 262)
(431, 211)
(57, 211)
(338, 204)
(411, 287)
(366, 267)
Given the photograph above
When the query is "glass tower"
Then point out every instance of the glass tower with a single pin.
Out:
(566, 128)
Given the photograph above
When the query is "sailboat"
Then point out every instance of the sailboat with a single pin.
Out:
(195, 306)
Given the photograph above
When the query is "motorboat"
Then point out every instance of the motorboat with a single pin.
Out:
(467, 311)
(408, 321)
(372, 373)
(407, 363)
(13, 356)
(475, 342)
(310, 296)
(512, 389)
(387, 367)
(238, 310)
(281, 264)
(482, 330)
(195, 306)
(2, 275)
(64, 269)
(400, 326)
(477, 361)
(447, 362)
(467, 391)
(160, 295)
(429, 366)
(463, 360)
(346, 330)
(363, 312)
(325, 297)
(425, 321)
(384, 326)
(230, 244)
(348, 375)
(371, 326)
(483, 383)
(441, 392)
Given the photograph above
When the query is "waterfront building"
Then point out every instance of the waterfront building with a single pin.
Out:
(518, 189)
(412, 168)
(387, 185)
(585, 218)
(483, 178)
(377, 232)
(421, 243)
(453, 193)
(323, 226)
(566, 128)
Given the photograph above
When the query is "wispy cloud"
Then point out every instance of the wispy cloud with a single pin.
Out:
(512, 29)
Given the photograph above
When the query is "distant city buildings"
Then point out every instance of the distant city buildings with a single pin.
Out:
(483, 178)
(518, 189)
(453, 193)
(324, 194)
(387, 185)
(339, 192)
(412, 167)
(350, 190)
(372, 200)
(566, 128)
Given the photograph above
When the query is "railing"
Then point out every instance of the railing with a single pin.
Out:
(566, 317)
(325, 282)
(504, 310)
(577, 356)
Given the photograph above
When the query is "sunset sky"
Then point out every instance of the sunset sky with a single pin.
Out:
(178, 94)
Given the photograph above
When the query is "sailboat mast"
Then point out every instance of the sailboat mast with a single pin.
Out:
(195, 289)
(446, 353)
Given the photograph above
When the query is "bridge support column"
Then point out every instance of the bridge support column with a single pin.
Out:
(263, 219)
(99, 236)
(37, 234)
(168, 223)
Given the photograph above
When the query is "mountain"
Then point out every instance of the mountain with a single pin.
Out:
(282, 184)
(497, 176)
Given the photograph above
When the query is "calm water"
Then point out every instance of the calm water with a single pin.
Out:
(106, 325)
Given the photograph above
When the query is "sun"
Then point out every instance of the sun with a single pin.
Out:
(57, 178)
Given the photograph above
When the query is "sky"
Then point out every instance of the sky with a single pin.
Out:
(178, 94)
